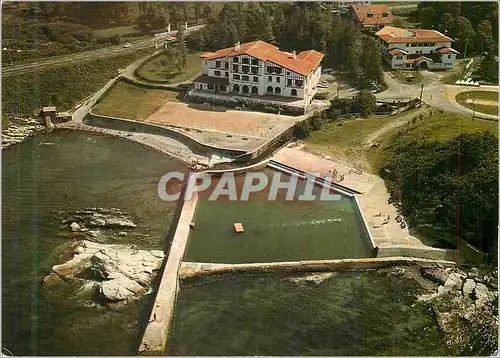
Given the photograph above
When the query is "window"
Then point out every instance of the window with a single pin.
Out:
(217, 63)
(299, 83)
(217, 73)
(255, 90)
(277, 79)
(399, 57)
(369, 15)
(256, 79)
(226, 65)
(211, 86)
(244, 78)
(270, 69)
(384, 14)
(270, 78)
(449, 56)
(235, 68)
(255, 70)
(206, 62)
(236, 88)
(407, 45)
(235, 59)
(245, 69)
(288, 73)
(236, 77)
(227, 74)
(255, 61)
(269, 89)
(278, 71)
(245, 61)
(222, 88)
(294, 92)
(289, 82)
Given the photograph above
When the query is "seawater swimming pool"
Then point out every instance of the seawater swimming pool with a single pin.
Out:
(276, 230)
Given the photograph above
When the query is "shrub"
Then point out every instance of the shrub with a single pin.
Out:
(302, 129)
(321, 95)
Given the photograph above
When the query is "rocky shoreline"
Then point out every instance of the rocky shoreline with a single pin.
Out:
(465, 304)
(19, 129)
(117, 273)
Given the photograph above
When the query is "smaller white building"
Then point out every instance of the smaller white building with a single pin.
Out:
(416, 48)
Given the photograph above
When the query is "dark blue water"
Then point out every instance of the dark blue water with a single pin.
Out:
(81, 171)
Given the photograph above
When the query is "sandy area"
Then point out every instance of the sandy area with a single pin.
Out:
(230, 121)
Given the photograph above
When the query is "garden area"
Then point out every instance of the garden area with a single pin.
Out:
(481, 101)
(164, 68)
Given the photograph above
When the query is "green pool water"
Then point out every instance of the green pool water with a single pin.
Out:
(367, 313)
(276, 230)
(81, 170)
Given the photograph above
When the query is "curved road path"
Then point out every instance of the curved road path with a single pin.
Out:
(435, 93)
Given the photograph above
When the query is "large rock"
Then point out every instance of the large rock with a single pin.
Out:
(469, 287)
(121, 288)
(117, 223)
(75, 226)
(125, 271)
(437, 275)
(483, 295)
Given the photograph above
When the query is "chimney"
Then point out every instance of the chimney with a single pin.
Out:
(237, 46)
(294, 55)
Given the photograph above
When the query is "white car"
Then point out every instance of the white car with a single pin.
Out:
(127, 45)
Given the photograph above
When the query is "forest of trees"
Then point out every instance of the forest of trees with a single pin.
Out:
(296, 26)
(473, 24)
(452, 185)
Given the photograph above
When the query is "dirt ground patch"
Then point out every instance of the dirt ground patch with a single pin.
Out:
(230, 121)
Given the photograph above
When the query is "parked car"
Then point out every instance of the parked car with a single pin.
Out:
(127, 45)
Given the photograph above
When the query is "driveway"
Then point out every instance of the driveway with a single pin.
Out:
(435, 93)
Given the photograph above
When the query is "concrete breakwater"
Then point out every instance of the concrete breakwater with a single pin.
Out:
(156, 335)
(198, 269)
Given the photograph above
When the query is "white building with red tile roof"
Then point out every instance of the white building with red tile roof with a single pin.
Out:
(372, 15)
(259, 69)
(404, 48)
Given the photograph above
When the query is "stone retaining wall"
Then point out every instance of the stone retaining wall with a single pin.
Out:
(129, 125)
(416, 251)
(157, 331)
(198, 269)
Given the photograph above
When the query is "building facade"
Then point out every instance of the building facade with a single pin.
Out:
(259, 69)
(413, 48)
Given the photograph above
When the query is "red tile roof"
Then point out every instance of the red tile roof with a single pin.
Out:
(369, 15)
(303, 63)
(447, 50)
(392, 35)
(397, 51)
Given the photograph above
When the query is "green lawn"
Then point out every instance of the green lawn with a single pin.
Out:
(120, 30)
(345, 138)
(439, 127)
(161, 69)
(128, 101)
(484, 102)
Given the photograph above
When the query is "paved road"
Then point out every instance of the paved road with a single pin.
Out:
(435, 93)
(87, 55)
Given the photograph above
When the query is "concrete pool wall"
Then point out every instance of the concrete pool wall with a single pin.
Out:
(157, 332)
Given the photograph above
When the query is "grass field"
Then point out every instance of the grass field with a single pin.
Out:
(120, 30)
(132, 102)
(439, 127)
(345, 138)
(484, 102)
(63, 87)
(161, 69)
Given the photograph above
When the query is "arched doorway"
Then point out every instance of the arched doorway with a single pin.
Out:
(277, 90)
(294, 92)
(269, 89)
(236, 88)
(423, 65)
(245, 89)
(255, 90)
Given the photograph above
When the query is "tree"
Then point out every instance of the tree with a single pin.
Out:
(428, 17)
(399, 22)
(366, 103)
(489, 67)
(369, 62)
(197, 7)
(181, 50)
(484, 36)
